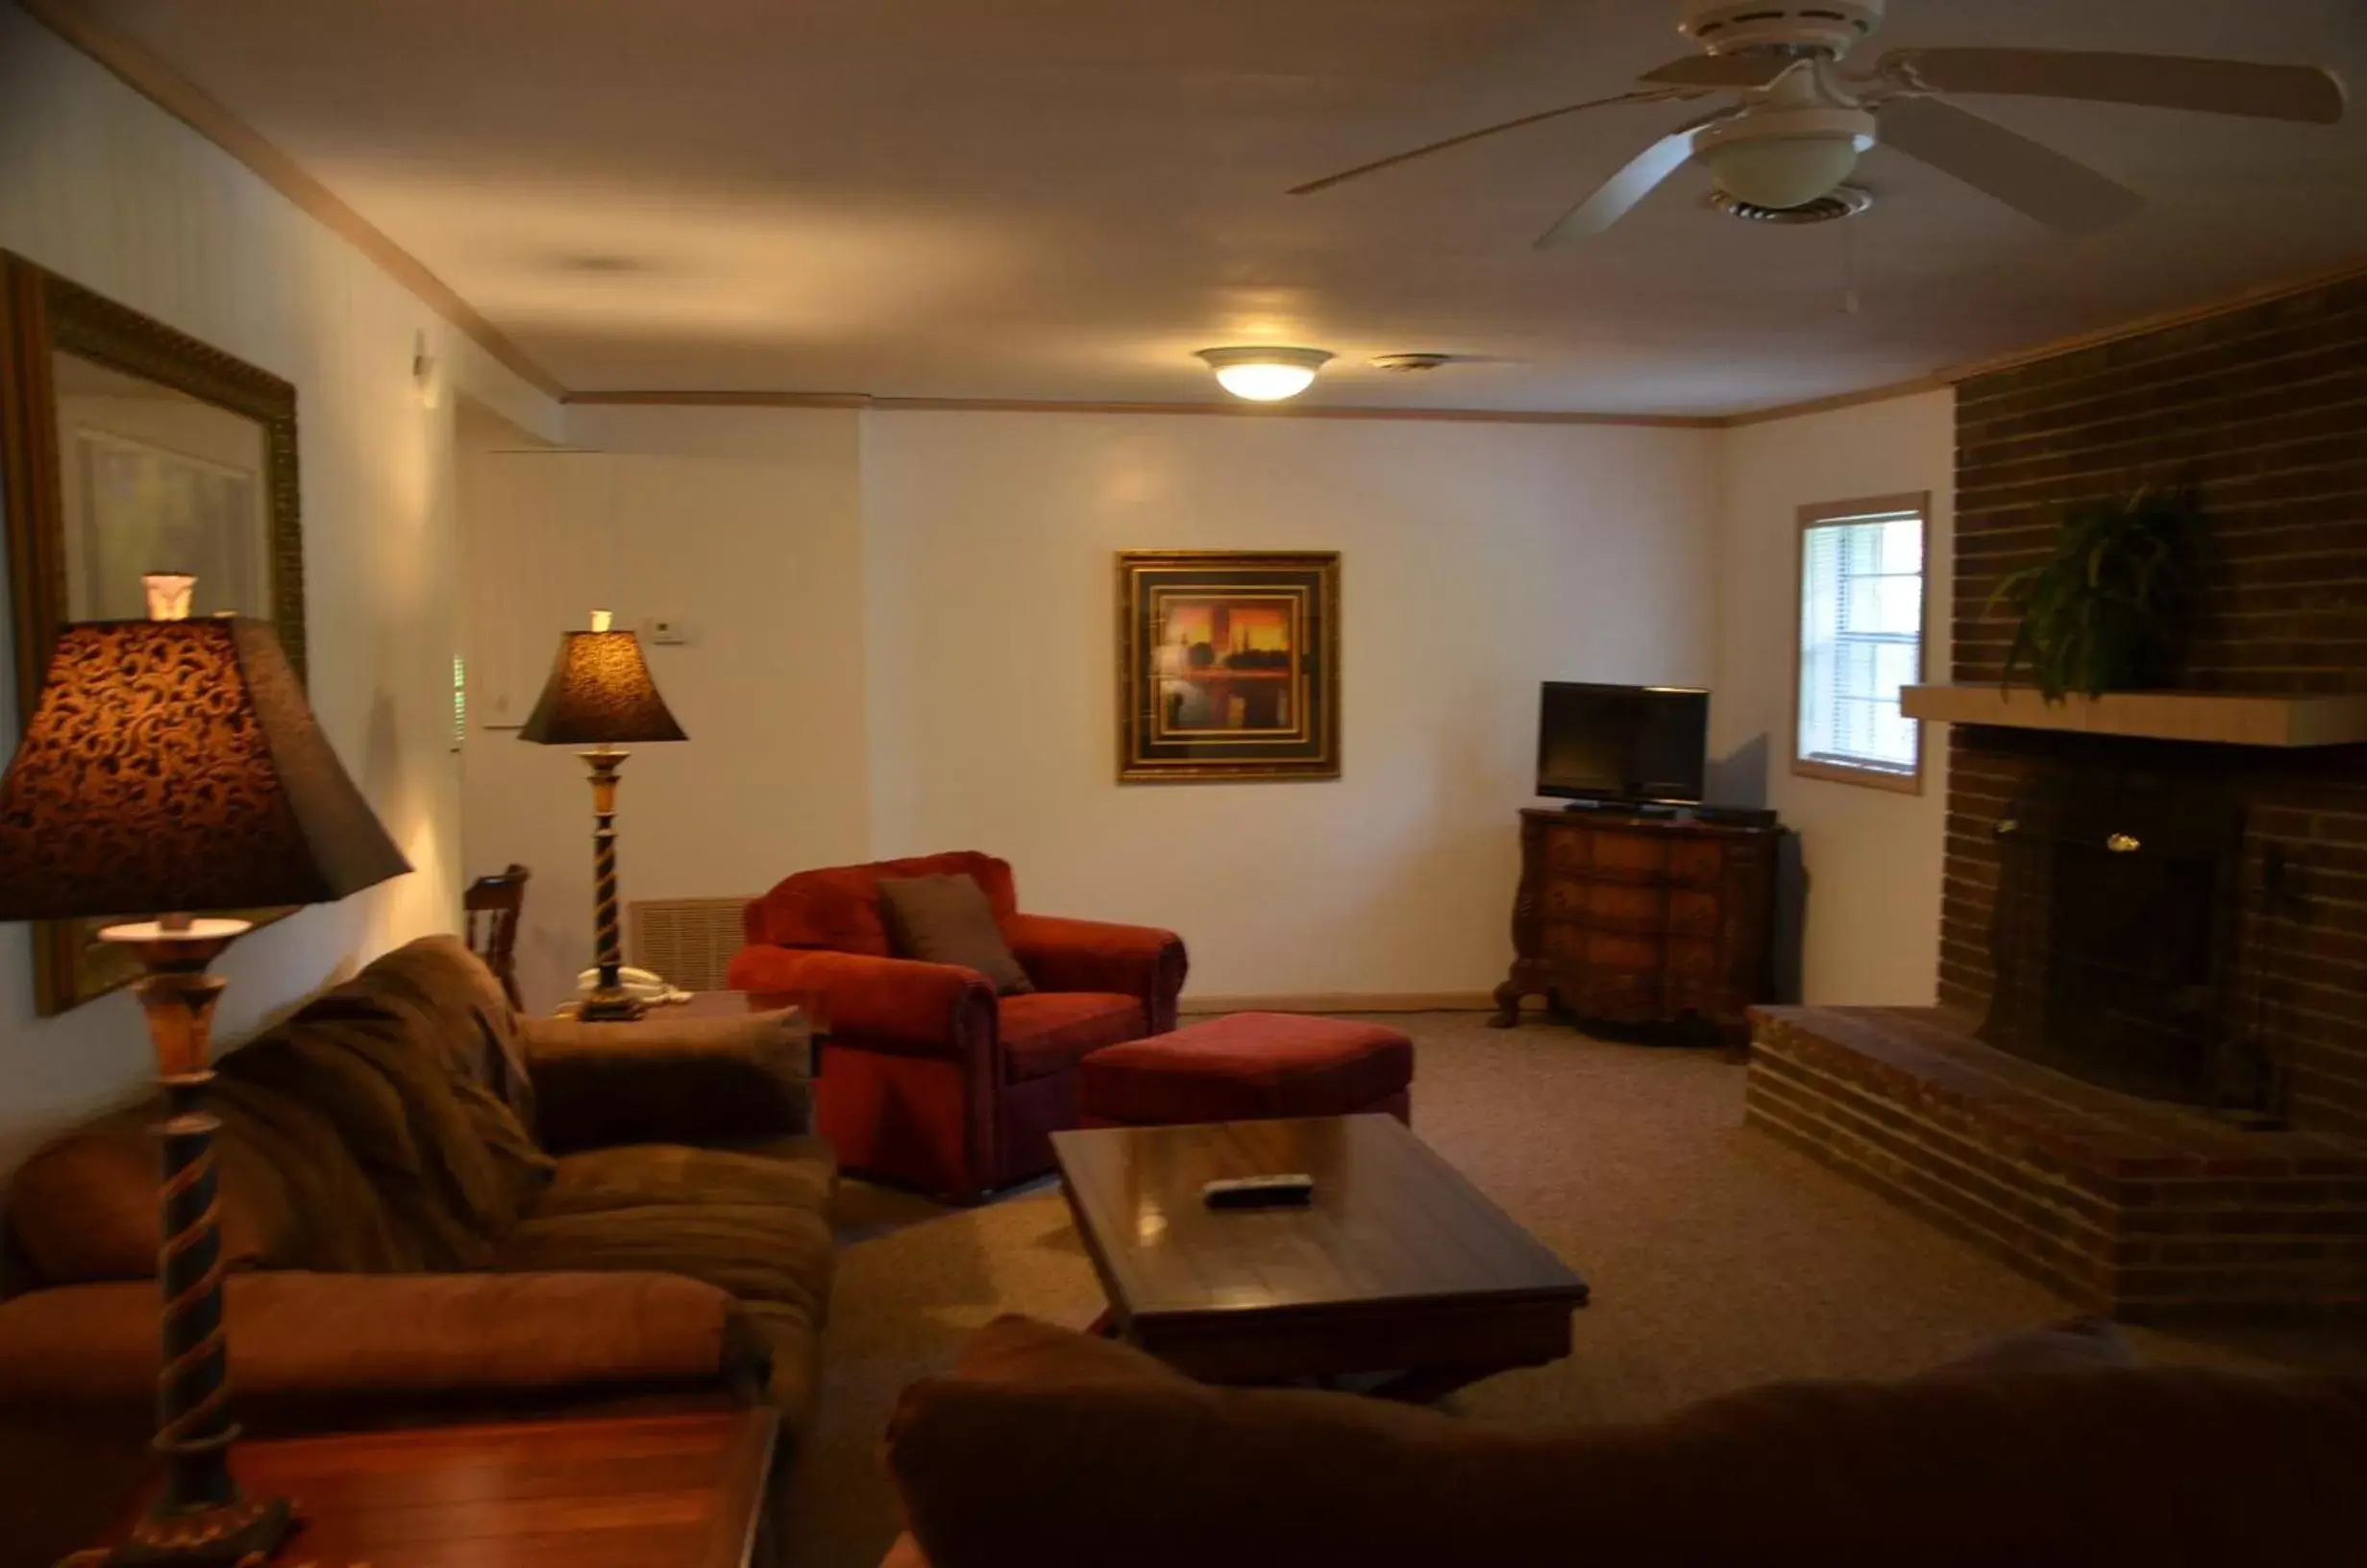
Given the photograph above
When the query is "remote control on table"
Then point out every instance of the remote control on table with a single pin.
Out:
(1258, 1192)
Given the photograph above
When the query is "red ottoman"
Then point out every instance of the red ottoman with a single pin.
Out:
(1249, 1066)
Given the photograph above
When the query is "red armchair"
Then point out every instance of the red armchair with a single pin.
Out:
(927, 1076)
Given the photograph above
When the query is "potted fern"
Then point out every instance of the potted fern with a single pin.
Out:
(2111, 609)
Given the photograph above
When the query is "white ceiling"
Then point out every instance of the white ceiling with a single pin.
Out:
(1061, 199)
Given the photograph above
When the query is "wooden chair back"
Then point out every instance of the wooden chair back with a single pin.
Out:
(491, 905)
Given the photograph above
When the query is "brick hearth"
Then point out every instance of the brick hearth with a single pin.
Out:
(2138, 1207)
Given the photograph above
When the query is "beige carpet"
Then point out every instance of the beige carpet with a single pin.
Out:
(1719, 1258)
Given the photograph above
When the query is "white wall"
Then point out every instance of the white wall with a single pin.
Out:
(99, 184)
(741, 525)
(1476, 561)
(1872, 856)
(902, 641)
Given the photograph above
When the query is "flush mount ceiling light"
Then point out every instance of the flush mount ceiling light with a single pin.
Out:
(1264, 374)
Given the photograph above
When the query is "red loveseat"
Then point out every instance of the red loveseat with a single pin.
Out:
(927, 1076)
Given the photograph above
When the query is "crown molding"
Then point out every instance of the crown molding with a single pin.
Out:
(2158, 321)
(1028, 406)
(149, 76)
(1919, 386)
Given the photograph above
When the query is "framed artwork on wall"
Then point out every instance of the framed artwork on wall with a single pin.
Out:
(1228, 664)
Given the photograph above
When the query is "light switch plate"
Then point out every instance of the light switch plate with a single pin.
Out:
(665, 628)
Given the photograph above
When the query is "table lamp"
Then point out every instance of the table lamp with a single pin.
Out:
(172, 765)
(599, 695)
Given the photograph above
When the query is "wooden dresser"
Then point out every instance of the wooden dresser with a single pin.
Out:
(1642, 919)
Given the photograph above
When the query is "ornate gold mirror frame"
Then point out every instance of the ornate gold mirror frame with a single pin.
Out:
(41, 317)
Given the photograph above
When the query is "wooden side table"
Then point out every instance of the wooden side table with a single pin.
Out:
(657, 1491)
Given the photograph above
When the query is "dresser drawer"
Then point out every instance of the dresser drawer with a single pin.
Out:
(1693, 961)
(1694, 914)
(1628, 906)
(1635, 857)
(1592, 947)
(1698, 862)
(1607, 855)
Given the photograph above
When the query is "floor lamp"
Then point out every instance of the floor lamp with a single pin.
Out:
(173, 765)
(599, 695)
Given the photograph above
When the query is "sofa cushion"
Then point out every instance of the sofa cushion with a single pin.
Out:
(1051, 1031)
(796, 1173)
(667, 1078)
(758, 1252)
(795, 1374)
(1249, 1065)
(2170, 1467)
(947, 919)
(838, 906)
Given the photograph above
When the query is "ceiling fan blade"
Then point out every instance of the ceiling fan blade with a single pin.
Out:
(1719, 71)
(1613, 199)
(2213, 87)
(1662, 95)
(2058, 191)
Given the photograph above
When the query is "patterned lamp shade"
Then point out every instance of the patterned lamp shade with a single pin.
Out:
(599, 694)
(173, 766)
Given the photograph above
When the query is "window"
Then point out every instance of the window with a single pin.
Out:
(1860, 640)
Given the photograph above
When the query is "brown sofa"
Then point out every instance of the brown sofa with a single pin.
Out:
(2051, 1450)
(438, 1207)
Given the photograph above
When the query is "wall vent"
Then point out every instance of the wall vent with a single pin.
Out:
(688, 940)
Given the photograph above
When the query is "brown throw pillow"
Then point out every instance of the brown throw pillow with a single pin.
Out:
(947, 919)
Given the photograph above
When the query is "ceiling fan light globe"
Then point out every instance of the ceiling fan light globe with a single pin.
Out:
(1264, 375)
(1782, 171)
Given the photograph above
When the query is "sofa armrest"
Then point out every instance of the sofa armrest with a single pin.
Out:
(898, 1005)
(1095, 955)
(405, 1337)
(661, 1080)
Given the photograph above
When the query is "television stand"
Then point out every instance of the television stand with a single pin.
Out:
(1631, 918)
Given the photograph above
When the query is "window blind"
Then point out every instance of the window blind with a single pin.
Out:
(1860, 640)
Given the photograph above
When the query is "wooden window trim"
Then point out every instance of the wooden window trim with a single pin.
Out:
(1919, 503)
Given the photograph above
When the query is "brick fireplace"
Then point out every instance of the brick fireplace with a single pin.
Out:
(2147, 1080)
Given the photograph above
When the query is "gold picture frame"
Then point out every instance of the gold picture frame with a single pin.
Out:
(1228, 664)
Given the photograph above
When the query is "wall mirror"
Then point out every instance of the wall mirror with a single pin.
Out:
(128, 448)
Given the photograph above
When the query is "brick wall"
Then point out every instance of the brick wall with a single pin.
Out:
(2265, 407)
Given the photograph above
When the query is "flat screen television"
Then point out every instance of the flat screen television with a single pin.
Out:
(1623, 744)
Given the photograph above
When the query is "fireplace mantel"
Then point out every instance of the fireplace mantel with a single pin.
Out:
(2225, 717)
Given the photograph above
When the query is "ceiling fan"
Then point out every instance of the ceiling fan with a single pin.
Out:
(1788, 146)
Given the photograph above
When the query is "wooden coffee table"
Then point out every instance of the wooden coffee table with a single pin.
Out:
(1399, 1265)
